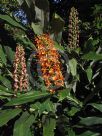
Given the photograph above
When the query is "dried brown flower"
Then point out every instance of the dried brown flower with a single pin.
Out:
(73, 32)
(20, 75)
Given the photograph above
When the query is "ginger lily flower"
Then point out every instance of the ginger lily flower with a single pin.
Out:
(48, 58)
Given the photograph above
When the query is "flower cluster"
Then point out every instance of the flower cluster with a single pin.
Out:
(48, 58)
(20, 75)
(73, 37)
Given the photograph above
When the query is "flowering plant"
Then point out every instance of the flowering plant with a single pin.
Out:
(49, 85)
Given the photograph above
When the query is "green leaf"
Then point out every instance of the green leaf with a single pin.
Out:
(92, 56)
(11, 21)
(26, 42)
(37, 28)
(65, 94)
(35, 106)
(97, 106)
(6, 115)
(88, 121)
(5, 82)
(59, 47)
(73, 111)
(23, 124)
(19, 124)
(5, 92)
(50, 106)
(4, 89)
(71, 132)
(46, 106)
(49, 126)
(2, 56)
(57, 37)
(57, 23)
(89, 73)
(95, 42)
(28, 124)
(20, 2)
(88, 46)
(27, 97)
(89, 133)
(10, 53)
(73, 66)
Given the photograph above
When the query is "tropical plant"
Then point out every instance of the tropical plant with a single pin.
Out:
(47, 87)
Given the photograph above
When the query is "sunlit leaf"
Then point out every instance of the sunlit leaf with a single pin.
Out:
(46, 106)
(59, 47)
(89, 73)
(73, 111)
(27, 97)
(73, 66)
(37, 29)
(65, 94)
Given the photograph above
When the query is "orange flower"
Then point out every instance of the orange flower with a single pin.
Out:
(48, 58)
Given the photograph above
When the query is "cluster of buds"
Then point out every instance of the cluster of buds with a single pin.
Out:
(73, 36)
(20, 75)
(48, 58)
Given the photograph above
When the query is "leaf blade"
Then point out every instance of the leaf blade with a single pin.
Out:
(28, 97)
(6, 115)
(11, 21)
(73, 66)
(48, 127)
(3, 56)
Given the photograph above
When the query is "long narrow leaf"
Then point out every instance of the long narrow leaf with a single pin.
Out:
(92, 56)
(48, 127)
(2, 56)
(89, 133)
(97, 106)
(89, 121)
(6, 115)
(11, 21)
(23, 124)
(5, 82)
(28, 97)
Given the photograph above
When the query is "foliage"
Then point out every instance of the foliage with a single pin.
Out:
(73, 109)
